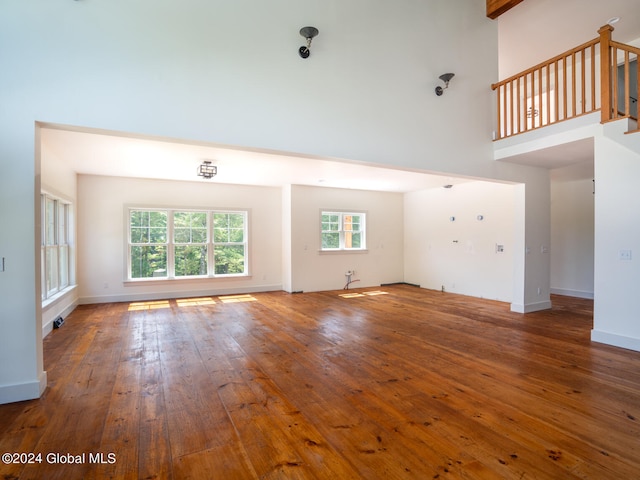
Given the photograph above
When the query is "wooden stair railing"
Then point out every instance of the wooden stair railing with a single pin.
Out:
(580, 81)
(621, 58)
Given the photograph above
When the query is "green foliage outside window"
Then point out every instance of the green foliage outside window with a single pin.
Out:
(342, 231)
(193, 241)
(228, 238)
(330, 231)
(190, 238)
(148, 230)
(148, 261)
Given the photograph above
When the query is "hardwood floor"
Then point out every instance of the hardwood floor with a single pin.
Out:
(389, 383)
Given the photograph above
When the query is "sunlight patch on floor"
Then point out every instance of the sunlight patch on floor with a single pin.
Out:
(238, 298)
(193, 302)
(363, 294)
(154, 305)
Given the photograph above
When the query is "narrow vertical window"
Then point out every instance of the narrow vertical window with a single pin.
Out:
(330, 231)
(190, 244)
(229, 243)
(51, 247)
(148, 243)
(63, 244)
(55, 257)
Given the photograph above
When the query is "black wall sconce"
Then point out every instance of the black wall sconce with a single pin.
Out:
(308, 33)
(445, 77)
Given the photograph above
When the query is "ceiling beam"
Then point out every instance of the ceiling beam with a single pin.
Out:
(495, 8)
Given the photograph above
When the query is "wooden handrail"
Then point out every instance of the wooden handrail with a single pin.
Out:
(546, 62)
(580, 81)
(624, 46)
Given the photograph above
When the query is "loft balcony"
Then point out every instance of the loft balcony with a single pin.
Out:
(597, 80)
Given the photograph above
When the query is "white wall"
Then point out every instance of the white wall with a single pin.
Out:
(572, 231)
(60, 181)
(460, 255)
(229, 73)
(617, 218)
(382, 262)
(102, 236)
(287, 237)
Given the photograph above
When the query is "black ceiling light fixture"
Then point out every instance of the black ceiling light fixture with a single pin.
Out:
(206, 170)
(445, 77)
(308, 33)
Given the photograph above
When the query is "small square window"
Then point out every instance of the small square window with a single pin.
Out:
(343, 231)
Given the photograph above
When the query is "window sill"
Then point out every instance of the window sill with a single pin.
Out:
(167, 281)
(342, 252)
(54, 298)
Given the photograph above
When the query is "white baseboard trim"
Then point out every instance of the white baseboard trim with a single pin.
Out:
(630, 343)
(23, 391)
(572, 293)
(530, 307)
(140, 297)
(48, 326)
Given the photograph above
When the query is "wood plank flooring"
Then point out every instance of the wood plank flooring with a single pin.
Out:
(389, 383)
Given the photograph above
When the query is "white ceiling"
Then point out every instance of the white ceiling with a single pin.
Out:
(107, 153)
(529, 33)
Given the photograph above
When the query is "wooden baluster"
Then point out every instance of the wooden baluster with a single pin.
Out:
(540, 97)
(511, 107)
(593, 78)
(582, 79)
(524, 87)
(518, 105)
(573, 84)
(548, 94)
(614, 84)
(498, 134)
(605, 72)
(556, 100)
(627, 105)
(564, 88)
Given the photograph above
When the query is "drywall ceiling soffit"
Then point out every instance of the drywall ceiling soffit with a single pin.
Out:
(557, 156)
(89, 152)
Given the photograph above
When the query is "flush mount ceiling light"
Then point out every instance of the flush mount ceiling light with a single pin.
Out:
(308, 33)
(613, 20)
(206, 170)
(445, 77)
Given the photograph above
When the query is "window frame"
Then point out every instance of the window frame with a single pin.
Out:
(229, 243)
(342, 231)
(172, 243)
(55, 246)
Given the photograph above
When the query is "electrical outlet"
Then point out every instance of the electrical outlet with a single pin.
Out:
(624, 255)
